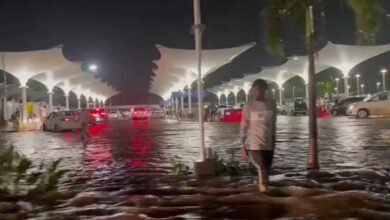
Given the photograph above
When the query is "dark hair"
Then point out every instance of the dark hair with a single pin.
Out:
(262, 84)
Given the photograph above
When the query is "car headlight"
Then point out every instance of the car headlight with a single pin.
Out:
(350, 107)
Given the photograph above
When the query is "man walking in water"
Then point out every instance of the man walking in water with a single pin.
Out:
(258, 125)
(84, 117)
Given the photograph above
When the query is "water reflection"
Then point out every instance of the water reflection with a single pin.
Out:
(128, 152)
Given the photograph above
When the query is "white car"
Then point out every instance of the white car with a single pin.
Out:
(376, 105)
(62, 120)
(156, 112)
(113, 114)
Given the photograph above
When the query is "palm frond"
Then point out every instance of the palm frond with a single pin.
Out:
(367, 14)
(279, 11)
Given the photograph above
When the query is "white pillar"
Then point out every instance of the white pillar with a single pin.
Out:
(24, 103)
(67, 102)
(384, 81)
(5, 111)
(79, 102)
(280, 96)
(247, 96)
(176, 105)
(227, 99)
(357, 86)
(182, 103)
(219, 100)
(235, 97)
(51, 109)
(189, 99)
(307, 90)
(346, 90)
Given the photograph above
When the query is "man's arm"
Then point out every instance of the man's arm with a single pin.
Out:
(244, 123)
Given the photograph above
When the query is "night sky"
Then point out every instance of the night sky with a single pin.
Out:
(120, 36)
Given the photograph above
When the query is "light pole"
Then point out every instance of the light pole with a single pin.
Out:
(337, 86)
(5, 89)
(384, 71)
(198, 48)
(357, 84)
(293, 91)
(378, 84)
(273, 93)
(362, 86)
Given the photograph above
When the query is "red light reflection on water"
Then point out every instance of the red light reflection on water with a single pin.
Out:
(97, 129)
(140, 142)
(119, 150)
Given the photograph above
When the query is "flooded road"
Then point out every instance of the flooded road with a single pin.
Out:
(124, 155)
(146, 146)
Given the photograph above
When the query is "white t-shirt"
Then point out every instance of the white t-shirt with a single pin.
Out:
(258, 124)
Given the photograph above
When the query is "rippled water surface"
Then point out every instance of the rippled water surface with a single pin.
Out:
(138, 152)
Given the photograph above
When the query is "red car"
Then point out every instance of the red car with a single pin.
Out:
(98, 115)
(139, 113)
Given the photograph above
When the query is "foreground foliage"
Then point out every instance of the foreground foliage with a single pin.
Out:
(18, 178)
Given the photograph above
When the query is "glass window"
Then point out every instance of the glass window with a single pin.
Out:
(69, 113)
(379, 97)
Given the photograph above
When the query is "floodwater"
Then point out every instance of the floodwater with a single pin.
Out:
(125, 155)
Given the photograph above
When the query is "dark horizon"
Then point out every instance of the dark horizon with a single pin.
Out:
(121, 37)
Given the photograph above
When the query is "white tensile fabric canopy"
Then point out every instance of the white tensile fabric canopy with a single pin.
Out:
(182, 64)
(52, 69)
(59, 75)
(342, 57)
(345, 57)
(24, 65)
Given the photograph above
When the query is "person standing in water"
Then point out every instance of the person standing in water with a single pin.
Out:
(84, 117)
(258, 127)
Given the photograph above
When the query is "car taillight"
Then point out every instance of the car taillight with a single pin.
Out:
(94, 115)
(103, 113)
(65, 119)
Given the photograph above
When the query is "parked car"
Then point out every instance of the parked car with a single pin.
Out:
(139, 113)
(376, 105)
(279, 110)
(341, 107)
(98, 115)
(113, 114)
(295, 106)
(61, 121)
(156, 112)
(221, 110)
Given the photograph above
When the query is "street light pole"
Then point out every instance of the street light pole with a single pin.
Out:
(198, 48)
(362, 86)
(5, 89)
(384, 71)
(378, 84)
(357, 84)
(293, 91)
(337, 87)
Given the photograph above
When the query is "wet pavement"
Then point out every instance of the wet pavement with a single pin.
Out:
(134, 155)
